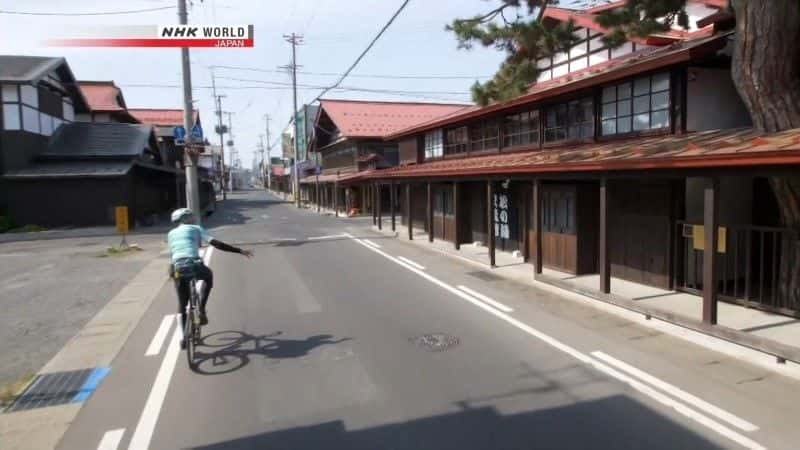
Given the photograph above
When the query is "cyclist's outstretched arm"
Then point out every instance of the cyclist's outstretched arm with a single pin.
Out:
(229, 248)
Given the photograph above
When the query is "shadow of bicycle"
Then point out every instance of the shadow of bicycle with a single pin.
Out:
(232, 350)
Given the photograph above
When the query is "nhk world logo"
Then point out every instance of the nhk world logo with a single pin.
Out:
(159, 36)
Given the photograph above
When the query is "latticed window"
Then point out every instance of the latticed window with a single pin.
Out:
(573, 120)
(457, 141)
(638, 105)
(521, 129)
(433, 144)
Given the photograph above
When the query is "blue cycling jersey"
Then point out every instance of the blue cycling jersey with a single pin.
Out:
(184, 241)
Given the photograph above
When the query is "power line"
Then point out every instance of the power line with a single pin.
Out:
(107, 13)
(361, 56)
(336, 74)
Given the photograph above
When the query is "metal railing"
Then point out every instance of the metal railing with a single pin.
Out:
(750, 262)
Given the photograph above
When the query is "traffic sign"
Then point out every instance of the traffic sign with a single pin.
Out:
(197, 132)
(179, 133)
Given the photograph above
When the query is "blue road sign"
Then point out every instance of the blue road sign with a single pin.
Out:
(197, 132)
(179, 133)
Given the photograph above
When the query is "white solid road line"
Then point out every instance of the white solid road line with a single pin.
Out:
(152, 408)
(283, 239)
(636, 384)
(111, 439)
(332, 236)
(678, 393)
(486, 299)
(161, 334)
(371, 243)
(408, 261)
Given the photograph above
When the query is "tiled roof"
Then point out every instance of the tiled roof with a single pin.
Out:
(79, 140)
(720, 148)
(97, 168)
(162, 117)
(345, 177)
(19, 68)
(379, 119)
(646, 59)
(103, 96)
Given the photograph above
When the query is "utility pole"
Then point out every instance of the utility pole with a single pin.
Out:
(190, 155)
(295, 39)
(230, 133)
(218, 104)
(263, 164)
(269, 156)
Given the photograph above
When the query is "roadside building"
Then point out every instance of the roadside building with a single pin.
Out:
(348, 140)
(106, 103)
(624, 164)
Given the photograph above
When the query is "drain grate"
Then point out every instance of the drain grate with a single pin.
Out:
(59, 388)
(485, 276)
(435, 342)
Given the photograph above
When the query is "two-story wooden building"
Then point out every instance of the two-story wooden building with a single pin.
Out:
(629, 162)
(349, 138)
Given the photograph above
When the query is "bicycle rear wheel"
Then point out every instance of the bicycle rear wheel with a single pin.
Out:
(191, 331)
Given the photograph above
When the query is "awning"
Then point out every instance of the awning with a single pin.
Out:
(719, 148)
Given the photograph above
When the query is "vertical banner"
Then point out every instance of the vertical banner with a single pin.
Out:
(505, 218)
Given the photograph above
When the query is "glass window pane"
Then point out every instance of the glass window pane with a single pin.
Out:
(660, 119)
(69, 112)
(624, 125)
(609, 110)
(609, 94)
(641, 104)
(30, 119)
(11, 117)
(641, 86)
(30, 95)
(641, 121)
(624, 108)
(609, 127)
(10, 93)
(661, 82)
(624, 90)
(660, 100)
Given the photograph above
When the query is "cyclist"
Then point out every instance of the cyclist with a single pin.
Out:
(184, 247)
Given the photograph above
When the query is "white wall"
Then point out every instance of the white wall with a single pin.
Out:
(713, 102)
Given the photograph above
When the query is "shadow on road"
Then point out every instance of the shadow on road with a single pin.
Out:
(613, 422)
(227, 351)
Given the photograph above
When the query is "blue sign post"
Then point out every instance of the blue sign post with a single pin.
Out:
(179, 133)
(197, 133)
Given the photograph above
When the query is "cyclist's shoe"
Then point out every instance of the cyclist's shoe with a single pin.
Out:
(203, 319)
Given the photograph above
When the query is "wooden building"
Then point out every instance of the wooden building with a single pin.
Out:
(628, 162)
(349, 139)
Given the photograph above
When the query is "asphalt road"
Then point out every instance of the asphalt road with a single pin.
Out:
(330, 341)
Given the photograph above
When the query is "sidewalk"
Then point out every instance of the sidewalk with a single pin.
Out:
(770, 340)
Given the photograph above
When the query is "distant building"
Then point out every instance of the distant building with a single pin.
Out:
(106, 103)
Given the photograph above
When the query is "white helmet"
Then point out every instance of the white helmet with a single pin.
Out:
(181, 214)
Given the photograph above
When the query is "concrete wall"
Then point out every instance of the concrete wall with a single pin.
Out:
(713, 102)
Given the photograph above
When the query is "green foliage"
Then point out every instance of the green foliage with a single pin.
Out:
(6, 223)
(515, 27)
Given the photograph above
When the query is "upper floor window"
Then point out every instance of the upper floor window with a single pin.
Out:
(521, 129)
(638, 105)
(457, 141)
(573, 120)
(434, 146)
(483, 135)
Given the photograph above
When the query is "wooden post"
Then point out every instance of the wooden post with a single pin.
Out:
(316, 195)
(336, 199)
(429, 213)
(372, 204)
(457, 227)
(409, 213)
(526, 254)
(605, 262)
(537, 224)
(490, 221)
(393, 201)
(378, 205)
(348, 203)
(710, 216)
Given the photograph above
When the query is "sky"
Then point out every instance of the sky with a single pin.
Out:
(335, 33)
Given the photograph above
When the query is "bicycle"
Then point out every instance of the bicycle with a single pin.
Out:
(192, 328)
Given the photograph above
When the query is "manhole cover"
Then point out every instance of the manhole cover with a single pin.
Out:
(435, 342)
(485, 276)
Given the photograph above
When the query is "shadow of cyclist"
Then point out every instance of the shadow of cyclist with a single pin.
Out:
(228, 351)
